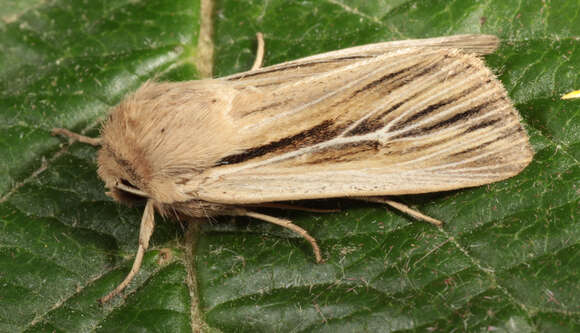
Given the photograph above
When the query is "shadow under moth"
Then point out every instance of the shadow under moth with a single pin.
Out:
(403, 117)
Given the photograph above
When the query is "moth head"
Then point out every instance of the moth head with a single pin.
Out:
(120, 179)
(130, 178)
(159, 138)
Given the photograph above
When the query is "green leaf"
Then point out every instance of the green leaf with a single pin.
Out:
(508, 257)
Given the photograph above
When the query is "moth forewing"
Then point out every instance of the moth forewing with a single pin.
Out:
(390, 118)
(415, 120)
(473, 44)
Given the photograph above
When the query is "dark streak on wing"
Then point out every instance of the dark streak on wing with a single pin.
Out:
(481, 125)
(446, 122)
(262, 108)
(374, 123)
(426, 111)
(434, 107)
(460, 116)
(381, 80)
(314, 135)
(403, 80)
(416, 148)
(269, 84)
(509, 132)
(346, 152)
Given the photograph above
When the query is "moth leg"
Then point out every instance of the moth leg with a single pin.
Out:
(298, 208)
(76, 137)
(145, 232)
(405, 209)
(259, 52)
(288, 225)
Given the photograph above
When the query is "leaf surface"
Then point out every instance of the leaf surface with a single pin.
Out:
(508, 257)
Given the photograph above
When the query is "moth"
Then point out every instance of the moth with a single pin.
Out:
(393, 118)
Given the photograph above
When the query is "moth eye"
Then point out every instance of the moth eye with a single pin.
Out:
(128, 183)
(126, 192)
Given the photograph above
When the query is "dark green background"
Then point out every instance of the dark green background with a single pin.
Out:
(507, 259)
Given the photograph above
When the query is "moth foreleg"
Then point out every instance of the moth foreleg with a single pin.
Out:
(76, 137)
(259, 52)
(403, 208)
(288, 225)
(145, 232)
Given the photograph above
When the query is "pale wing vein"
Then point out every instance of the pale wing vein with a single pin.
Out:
(450, 126)
(346, 87)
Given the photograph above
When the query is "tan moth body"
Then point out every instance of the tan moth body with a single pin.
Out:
(383, 119)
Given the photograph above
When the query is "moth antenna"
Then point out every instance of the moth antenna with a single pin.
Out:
(405, 209)
(207, 215)
(288, 225)
(145, 232)
(76, 137)
(259, 52)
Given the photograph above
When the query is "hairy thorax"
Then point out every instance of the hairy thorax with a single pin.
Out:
(158, 142)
